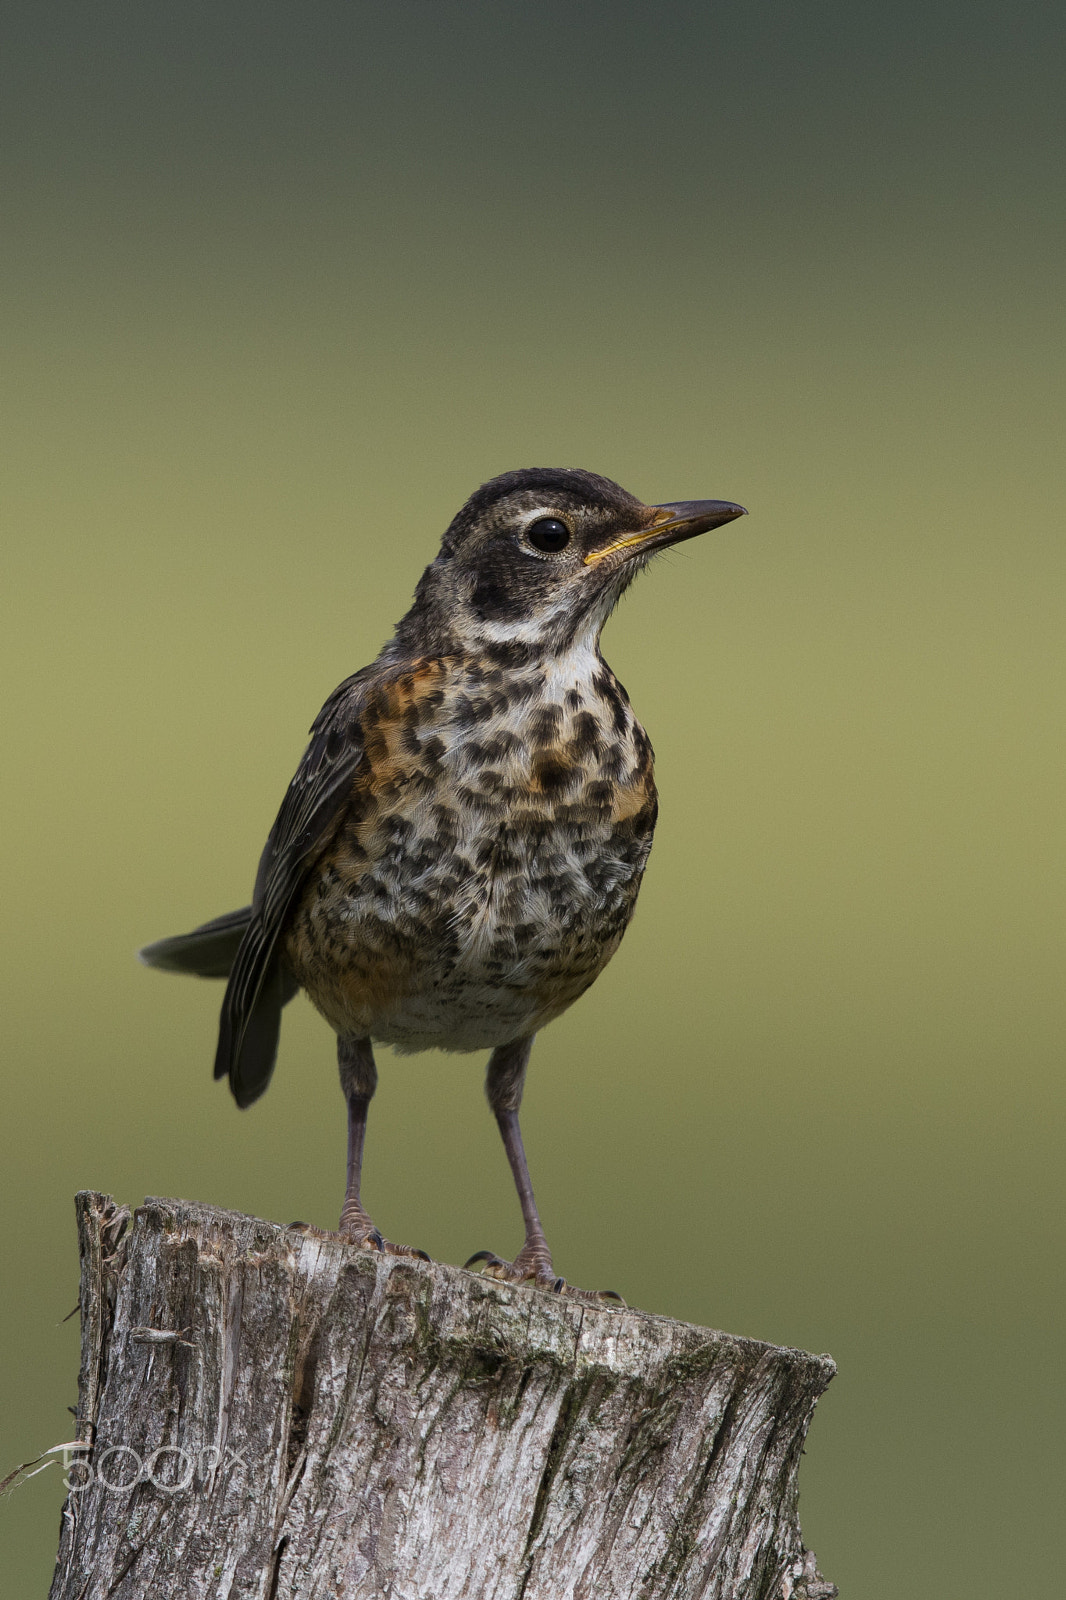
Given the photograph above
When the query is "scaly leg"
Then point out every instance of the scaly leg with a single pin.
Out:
(359, 1079)
(504, 1082)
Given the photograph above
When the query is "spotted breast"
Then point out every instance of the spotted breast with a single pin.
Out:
(489, 862)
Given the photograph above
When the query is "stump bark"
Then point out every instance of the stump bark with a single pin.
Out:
(265, 1413)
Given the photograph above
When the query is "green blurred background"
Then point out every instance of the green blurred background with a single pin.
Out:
(284, 284)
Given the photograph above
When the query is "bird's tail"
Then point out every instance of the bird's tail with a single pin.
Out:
(206, 952)
(210, 952)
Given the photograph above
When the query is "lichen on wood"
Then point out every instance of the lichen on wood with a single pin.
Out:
(268, 1413)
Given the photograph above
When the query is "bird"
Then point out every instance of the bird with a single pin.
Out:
(459, 852)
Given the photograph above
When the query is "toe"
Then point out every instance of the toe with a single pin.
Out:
(612, 1298)
(494, 1266)
(364, 1236)
(404, 1250)
(487, 1257)
(605, 1299)
(540, 1274)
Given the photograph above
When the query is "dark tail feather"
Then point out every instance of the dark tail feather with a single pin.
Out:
(207, 952)
(250, 1070)
(210, 952)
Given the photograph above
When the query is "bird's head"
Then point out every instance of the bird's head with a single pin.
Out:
(537, 559)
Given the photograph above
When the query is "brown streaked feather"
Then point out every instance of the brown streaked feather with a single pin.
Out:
(397, 765)
(319, 793)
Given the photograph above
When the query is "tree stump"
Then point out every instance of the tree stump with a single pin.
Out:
(266, 1413)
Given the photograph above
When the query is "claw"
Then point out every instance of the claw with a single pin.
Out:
(373, 1239)
(539, 1278)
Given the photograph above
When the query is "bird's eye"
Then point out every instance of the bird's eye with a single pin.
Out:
(548, 534)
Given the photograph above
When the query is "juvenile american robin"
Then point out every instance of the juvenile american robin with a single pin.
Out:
(459, 853)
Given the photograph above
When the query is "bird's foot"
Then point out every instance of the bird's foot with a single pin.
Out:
(363, 1234)
(358, 1229)
(370, 1238)
(533, 1264)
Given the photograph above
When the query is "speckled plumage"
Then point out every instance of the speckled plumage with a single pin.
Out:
(488, 860)
(460, 850)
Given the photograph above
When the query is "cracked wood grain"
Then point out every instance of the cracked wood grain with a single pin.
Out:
(268, 1414)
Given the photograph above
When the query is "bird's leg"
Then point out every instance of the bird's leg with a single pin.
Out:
(359, 1079)
(504, 1082)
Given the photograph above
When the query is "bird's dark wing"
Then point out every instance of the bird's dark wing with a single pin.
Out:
(259, 983)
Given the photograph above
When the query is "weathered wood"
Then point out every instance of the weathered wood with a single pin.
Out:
(270, 1414)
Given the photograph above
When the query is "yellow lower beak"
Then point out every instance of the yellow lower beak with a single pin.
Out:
(670, 524)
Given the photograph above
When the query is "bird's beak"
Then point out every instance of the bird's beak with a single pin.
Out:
(670, 524)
